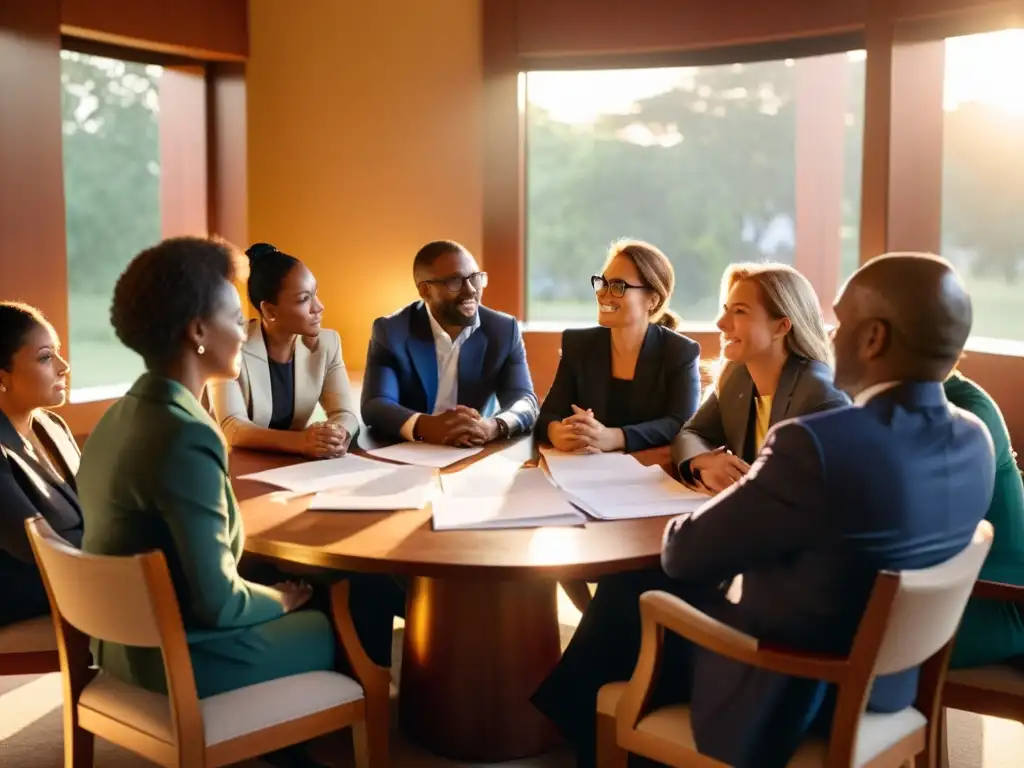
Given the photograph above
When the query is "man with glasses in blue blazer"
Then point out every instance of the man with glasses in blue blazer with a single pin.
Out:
(446, 369)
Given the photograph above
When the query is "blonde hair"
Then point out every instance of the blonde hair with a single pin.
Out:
(656, 272)
(786, 293)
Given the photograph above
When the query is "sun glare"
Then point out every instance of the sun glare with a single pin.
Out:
(979, 68)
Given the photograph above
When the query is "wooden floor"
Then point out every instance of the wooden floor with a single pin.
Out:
(30, 732)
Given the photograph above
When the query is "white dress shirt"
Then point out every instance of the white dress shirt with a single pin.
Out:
(447, 350)
(875, 389)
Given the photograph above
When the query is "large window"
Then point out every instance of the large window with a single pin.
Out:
(112, 193)
(712, 164)
(983, 176)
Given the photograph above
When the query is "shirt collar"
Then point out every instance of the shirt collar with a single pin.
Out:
(865, 395)
(440, 335)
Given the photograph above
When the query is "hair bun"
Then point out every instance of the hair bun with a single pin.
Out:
(259, 250)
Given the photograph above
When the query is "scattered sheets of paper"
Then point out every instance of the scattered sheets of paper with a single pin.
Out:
(354, 483)
(496, 493)
(615, 486)
(424, 454)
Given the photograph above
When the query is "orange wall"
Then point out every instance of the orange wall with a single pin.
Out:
(364, 132)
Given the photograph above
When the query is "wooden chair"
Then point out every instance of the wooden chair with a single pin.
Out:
(29, 648)
(131, 600)
(996, 690)
(910, 619)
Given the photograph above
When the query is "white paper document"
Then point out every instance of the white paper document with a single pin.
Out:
(355, 483)
(425, 454)
(615, 486)
(496, 493)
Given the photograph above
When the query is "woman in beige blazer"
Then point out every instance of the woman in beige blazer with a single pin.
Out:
(289, 364)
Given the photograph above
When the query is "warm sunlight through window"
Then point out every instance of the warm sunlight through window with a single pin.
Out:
(112, 197)
(704, 162)
(983, 176)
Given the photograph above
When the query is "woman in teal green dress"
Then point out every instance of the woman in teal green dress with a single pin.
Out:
(993, 631)
(154, 475)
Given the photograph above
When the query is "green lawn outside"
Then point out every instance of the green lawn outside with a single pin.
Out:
(99, 359)
(998, 310)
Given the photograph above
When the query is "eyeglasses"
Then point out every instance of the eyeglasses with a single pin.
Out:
(454, 284)
(617, 288)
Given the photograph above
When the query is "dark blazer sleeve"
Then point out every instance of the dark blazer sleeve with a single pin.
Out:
(703, 432)
(514, 390)
(564, 392)
(192, 495)
(380, 405)
(15, 509)
(682, 370)
(775, 510)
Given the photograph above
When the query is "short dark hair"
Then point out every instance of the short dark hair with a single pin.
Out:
(431, 252)
(267, 270)
(16, 322)
(165, 288)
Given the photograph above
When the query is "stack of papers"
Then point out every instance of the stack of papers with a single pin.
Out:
(615, 486)
(354, 483)
(496, 493)
(425, 454)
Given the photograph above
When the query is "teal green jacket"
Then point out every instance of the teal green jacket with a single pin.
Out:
(154, 475)
(1005, 561)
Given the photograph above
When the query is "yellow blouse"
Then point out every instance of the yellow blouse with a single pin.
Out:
(763, 404)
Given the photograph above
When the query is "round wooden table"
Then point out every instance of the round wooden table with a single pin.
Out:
(481, 627)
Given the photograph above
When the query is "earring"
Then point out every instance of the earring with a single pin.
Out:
(3, 387)
(201, 349)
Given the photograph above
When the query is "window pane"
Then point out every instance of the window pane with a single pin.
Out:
(112, 193)
(703, 162)
(983, 176)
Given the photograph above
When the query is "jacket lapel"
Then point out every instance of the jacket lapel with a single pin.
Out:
(257, 369)
(645, 377)
(61, 445)
(308, 368)
(599, 373)
(33, 465)
(784, 391)
(734, 401)
(424, 355)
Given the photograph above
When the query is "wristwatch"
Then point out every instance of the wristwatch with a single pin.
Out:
(503, 430)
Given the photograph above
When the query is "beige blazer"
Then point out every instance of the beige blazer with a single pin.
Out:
(320, 376)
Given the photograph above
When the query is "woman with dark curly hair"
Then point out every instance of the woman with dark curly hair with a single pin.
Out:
(289, 364)
(38, 455)
(154, 475)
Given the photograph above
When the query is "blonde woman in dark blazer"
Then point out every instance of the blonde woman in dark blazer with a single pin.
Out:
(289, 364)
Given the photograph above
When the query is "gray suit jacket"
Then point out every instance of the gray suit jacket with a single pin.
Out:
(724, 418)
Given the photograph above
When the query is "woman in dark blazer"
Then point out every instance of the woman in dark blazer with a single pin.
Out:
(777, 364)
(632, 382)
(289, 364)
(38, 455)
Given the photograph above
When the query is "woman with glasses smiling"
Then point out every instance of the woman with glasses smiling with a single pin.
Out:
(632, 382)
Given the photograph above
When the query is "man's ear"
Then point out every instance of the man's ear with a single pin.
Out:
(876, 338)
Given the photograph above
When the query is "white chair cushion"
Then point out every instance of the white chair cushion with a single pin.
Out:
(227, 715)
(30, 636)
(876, 732)
(1003, 679)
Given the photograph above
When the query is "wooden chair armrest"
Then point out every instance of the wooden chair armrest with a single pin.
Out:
(683, 619)
(996, 590)
(373, 678)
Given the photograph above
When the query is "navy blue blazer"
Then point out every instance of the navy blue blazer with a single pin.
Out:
(900, 482)
(401, 370)
(664, 393)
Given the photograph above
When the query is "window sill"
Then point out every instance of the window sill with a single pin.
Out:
(98, 394)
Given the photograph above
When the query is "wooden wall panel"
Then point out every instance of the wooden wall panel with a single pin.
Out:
(202, 29)
(183, 172)
(226, 145)
(574, 27)
(33, 256)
